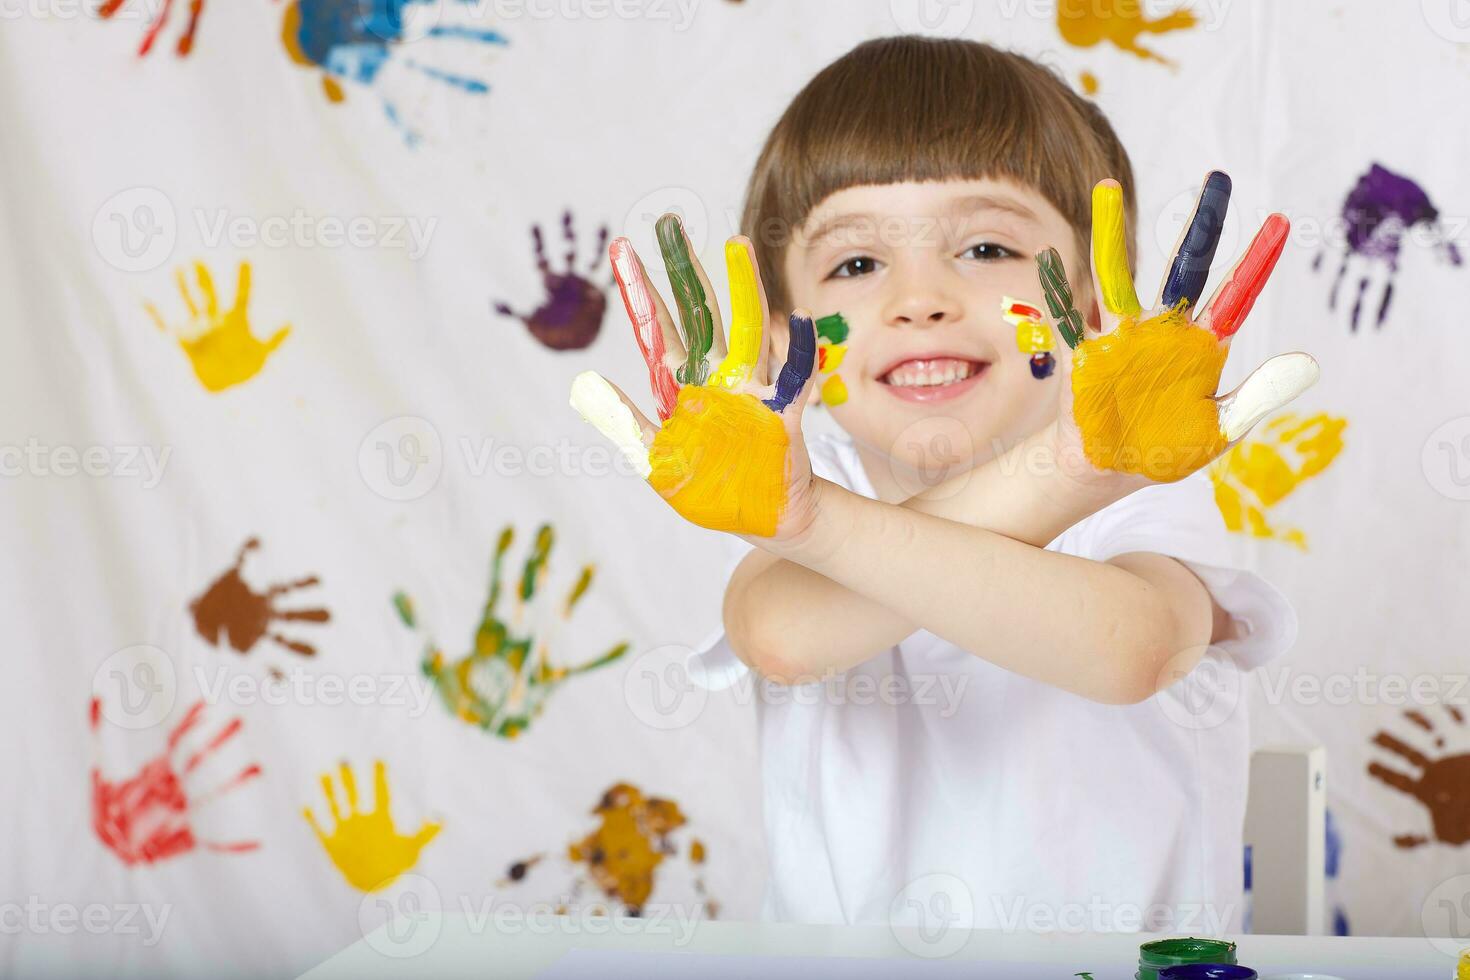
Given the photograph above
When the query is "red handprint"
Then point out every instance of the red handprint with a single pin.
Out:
(147, 818)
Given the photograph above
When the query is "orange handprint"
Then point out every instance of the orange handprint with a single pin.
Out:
(220, 345)
(366, 847)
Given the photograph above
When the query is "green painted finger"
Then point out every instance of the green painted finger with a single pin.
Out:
(1053, 275)
(694, 313)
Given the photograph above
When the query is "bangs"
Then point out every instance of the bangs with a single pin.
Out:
(924, 109)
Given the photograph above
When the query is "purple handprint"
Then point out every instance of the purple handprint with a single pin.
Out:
(570, 316)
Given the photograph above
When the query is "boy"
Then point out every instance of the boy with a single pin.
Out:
(1057, 581)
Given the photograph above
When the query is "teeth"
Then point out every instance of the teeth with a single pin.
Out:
(928, 374)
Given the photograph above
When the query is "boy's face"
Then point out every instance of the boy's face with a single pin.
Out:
(933, 376)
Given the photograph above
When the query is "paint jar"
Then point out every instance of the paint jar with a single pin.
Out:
(1208, 971)
(1163, 953)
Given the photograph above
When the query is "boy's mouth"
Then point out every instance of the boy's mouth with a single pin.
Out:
(925, 379)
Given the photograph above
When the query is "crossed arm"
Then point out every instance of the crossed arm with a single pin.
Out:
(969, 564)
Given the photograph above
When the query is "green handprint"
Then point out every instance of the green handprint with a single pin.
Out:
(502, 684)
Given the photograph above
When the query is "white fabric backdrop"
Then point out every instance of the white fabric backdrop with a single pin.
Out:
(615, 119)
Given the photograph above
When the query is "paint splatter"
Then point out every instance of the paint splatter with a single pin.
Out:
(1379, 211)
(148, 818)
(351, 42)
(1333, 852)
(1258, 474)
(1442, 784)
(504, 682)
(1085, 23)
(570, 316)
(220, 345)
(365, 846)
(620, 858)
(231, 611)
(1033, 336)
(185, 43)
(832, 334)
(1089, 83)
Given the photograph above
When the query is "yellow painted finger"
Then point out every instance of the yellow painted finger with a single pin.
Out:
(1110, 250)
(746, 321)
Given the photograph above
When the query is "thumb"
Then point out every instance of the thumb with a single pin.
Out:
(1268, 388)
(611, 412)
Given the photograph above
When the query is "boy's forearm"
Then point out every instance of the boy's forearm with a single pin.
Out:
(1084, 626)
(790, 621)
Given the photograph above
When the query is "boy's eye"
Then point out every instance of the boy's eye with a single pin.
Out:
(859, 266)
(988, 252)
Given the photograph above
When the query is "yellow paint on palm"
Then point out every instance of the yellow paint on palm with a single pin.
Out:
(746, 322)
(1110, 250)
(1143, 397)
(834, 391)
(1258, 474)
(720, 461)
(220, 346)
(366, 847)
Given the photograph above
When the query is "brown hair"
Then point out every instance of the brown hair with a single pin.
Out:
(916, 109)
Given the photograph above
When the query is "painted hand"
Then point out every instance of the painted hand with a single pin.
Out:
(219, 343)
(1142, 398)
(366, 847)
(730, 455)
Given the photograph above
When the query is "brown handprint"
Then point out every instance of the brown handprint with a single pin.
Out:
(147, 818)
(1443, 784)
(571, 315)
(230, 609)
(621, 856)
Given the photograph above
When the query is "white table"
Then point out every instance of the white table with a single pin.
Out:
(441, 945)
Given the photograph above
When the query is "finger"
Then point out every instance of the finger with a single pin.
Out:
(618, 419)
(1232, 302)
(349, 787)
(1111, 275)
(206, 289)
(316, 827)
(1058, 292)
(380, 787)
(331, 795)
(242, 288)
(1269, 387)
(1196, 247)
(801, 358)
(691, 297)
(648, 331)
(183, 284)
(426, 833)
(747, 317)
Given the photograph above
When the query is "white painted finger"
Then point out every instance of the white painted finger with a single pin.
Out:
(601, 403)
(1268, 388)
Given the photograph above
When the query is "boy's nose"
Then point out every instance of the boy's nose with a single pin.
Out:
(921, 302)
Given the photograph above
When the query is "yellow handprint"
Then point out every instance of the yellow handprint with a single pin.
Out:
(366, 847)
(1257, 475)
(220, 346)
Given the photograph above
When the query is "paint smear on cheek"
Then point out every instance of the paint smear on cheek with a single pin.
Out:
(1143, 397)
(832, 334)
(720, 462)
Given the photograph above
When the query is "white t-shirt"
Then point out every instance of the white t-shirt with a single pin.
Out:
(929, 770)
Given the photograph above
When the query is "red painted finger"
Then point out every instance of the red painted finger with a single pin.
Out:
(1232, 304)
(638, 300)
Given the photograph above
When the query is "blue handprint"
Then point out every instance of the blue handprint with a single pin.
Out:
(352, 40)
